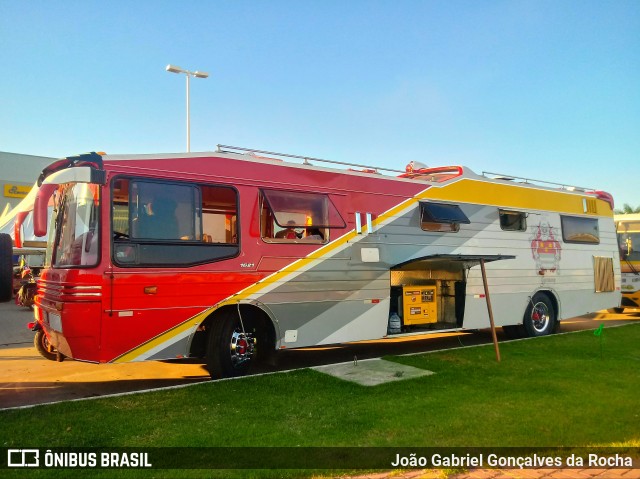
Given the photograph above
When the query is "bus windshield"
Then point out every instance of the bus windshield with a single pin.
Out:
(629, 239)
(77, 227)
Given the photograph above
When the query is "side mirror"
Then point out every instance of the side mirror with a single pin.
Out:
(40, 209)
(17, 228)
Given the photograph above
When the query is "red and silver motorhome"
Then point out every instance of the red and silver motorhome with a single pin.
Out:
(234, 254)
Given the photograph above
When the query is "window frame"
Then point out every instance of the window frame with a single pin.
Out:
(332, 219)
(56, 242)
(564, 227)
(191, 252)
(431, 222)
(503, 212)
(196, 197)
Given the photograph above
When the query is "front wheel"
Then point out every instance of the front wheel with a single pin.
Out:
(540, 316)
(232, 347)
(44, 347)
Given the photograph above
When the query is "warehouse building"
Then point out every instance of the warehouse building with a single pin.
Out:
(18, 173)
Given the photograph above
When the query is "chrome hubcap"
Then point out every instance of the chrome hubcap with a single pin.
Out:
(540, 317)
(242, 348)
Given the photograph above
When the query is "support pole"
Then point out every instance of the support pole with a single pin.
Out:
(188, 118)
(490, 310)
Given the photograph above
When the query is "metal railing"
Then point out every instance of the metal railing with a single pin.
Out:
(306, 159)
(562, 186)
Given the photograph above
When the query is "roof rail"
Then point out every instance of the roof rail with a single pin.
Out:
(562, 186)
(307, 159)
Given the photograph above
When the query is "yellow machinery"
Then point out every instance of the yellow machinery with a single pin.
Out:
(419, 305)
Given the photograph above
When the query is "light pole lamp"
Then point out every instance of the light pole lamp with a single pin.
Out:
(188, 74)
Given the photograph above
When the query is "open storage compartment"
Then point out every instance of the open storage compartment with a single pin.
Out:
(429, 293)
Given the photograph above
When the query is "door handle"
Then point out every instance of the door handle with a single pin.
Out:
(150, 290)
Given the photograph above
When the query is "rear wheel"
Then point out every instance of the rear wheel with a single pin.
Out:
(540, 316)
(44, 347)
(232, 347)
(6, 268)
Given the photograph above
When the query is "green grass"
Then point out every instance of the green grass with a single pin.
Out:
(557, 391)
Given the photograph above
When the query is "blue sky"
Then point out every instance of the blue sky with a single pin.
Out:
(541, 89)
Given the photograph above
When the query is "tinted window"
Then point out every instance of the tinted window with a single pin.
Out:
(512, 220)
(298, 217)
(443, 213)
(580, 230)
(163, 223)
(441, 217)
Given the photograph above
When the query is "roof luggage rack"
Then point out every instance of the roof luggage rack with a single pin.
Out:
(562, 186)
(306, 159)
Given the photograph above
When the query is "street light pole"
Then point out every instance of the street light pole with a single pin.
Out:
(188, 116)
(197, 74)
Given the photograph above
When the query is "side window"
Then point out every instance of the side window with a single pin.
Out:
(295, 217)
(219, 215)
(169, 223)
(163, 211)
(441, 217)
(580, 230)
(512, 220)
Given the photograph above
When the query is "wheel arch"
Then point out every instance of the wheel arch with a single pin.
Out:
(528, 327)
(256, 311)
(553, 297)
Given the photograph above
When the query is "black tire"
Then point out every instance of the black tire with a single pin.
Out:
(540, 316)
(41, 342)
(615, 310)
(230, 351)
(6, 268)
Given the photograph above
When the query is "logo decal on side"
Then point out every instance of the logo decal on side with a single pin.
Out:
(546, 250)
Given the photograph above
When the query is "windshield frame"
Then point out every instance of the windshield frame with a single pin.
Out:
(76, 242)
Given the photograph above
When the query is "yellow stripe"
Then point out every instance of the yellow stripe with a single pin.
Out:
(513, 196)
(158, 340)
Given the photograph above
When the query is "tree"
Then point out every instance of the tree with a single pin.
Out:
(627, 209)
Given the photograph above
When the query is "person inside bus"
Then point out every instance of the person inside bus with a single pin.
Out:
(314, 234)
(159, 221)
(289, 232)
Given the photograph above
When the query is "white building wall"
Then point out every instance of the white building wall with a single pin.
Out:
(18, 173)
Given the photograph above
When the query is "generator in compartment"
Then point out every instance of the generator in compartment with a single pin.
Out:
(429, 294)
